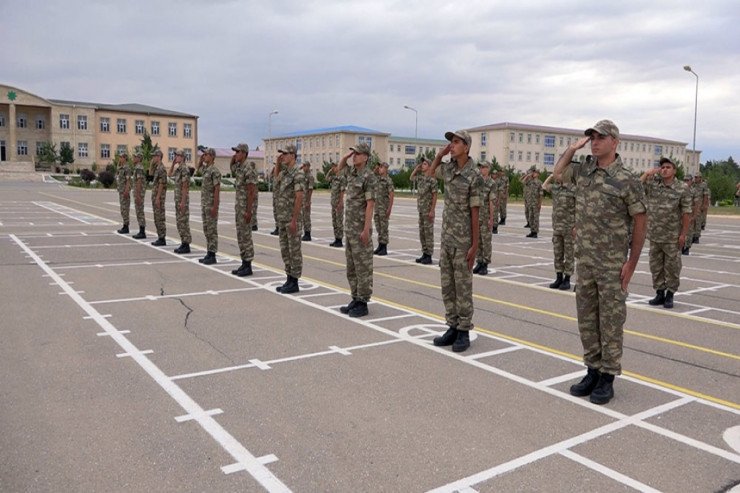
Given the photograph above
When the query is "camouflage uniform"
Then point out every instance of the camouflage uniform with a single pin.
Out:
(180, 176)
(244, 174)
(695, 222)
(503, 196)
(211, 179)
(255, 202)
(290, 180)
(532, 194)
(427, 188)
(160, 179)
(275, 186)
(140, 179)
(306, 208)
(705, 195)
(606, 199)
(462, 193)
(361, 187)
(123, 178)
(488, 194)
(383, 190)
(666, 206)
(563, 220)
(338, 185)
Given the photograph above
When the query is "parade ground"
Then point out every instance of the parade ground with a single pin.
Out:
(127, 367)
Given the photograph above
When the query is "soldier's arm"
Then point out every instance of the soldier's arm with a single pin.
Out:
(475, 229)
(434, 203)
(369, 210)
(216, 198)
(547, 185)
(251, 189)
(567, 156)
(413, 173)
(343, 161)
(390, 201)
(639, 230)
(438, 158)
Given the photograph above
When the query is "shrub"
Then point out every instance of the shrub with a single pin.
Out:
(66, 171)
(85, 174)
(110, 168)
(106, 178)
(262, 186)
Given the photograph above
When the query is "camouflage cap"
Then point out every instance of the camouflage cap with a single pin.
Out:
(123, 154)
(157, 152)
(289, 149)
(697, 174)
(664, 160)
(484, 164)
(180, 152)
(306, 164)
(138, 153)
(604, 127)
(532, 168)
(241, 147)
(209, 150)
(361, 148)
(688, 177)
(461, 134)
(383, 164)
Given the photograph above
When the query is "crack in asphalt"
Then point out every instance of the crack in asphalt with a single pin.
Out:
(195, 334)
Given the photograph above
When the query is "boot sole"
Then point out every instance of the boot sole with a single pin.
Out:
(601, 400)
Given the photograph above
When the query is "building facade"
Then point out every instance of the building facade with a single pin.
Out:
(95, 132)
(403, 151)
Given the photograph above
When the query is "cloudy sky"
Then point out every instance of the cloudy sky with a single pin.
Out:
(358, 62)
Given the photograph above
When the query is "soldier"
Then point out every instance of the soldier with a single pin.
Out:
(532, 200)
(274, 175)
(338, 184)
(669, 213)
(180, 173)
(460, 237)
(496, 174)
(426, 202)
(210, 195)
(503, 196)
(139, 192)
(607, 196)
(245, 186)
(563, 222)
(383, 207)
(255, 204)
(159, 191)
(695, 207)
(488, 198)
(310, 185)
(290, 185)
(123, 179)
(704, 194)
(358, 251)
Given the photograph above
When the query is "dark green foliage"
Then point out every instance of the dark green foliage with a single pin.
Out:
(87, 175)
(106, 178)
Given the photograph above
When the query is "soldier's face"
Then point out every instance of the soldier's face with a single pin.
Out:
(208, 158)
(603, 145)
(359, 159)
(484, 171)
(459, 148)
(156, 159)
(667, 171)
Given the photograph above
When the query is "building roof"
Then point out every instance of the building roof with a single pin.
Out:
(127, 107)
(560, 130)
(332, 130)
(412, 140)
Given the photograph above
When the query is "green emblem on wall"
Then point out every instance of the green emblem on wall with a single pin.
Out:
(12, 95)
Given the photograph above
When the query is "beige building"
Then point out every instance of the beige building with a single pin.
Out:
(96, 132)
(402, 151)
(521, 146)
(224, 155)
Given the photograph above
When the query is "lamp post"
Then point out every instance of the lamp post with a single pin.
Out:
(269, 136)
(416, 120)
(696, 104)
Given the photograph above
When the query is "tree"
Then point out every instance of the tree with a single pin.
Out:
(66, 154)
(48, 153)
(721, 176)
(147, 148)
(516, 188)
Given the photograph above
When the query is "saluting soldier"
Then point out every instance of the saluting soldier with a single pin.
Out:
(255, 204)
(338, 184)
(159, 191)
(503, 196)
(383, 206)
(668, 217)
(291, 183)
(533, 201)
(245, 186)
(426, 203)
(210, 195)
(123, 180)
(563, 222)
(139, 192)
(488, 198)
(460, 237)
(180, 174)
(307, 195)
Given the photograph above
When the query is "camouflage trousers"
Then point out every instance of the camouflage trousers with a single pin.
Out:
(359, 266)
(691, 233)
(602, 311)
(503, 199)
(274, 207)
(255, 204)
(696, 226)
(125, 201)
(562, 248)
(290, 249)
(244, 235)
(426, 233)
(210, 228)
(139, 205)
(381, 224)
(159, 217)
(532, 213)
(703, 219)
(665, 265)
(495, 215)
(484, 250)
(337, 218)
(457, 287)
(183, 221)
(306, 216)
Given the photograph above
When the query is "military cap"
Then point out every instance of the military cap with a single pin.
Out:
(306, 164)
(241, 147)
(123, 153)
(688, 177)
(180, 152)
(461, 134)
(383, 164)
(289, 149)
(138, 153)
(210, 150)
(484, 164)
(532, 168)
(361, 148)
(697, 174)
(664, 160)
(157, 152)
(604, 127)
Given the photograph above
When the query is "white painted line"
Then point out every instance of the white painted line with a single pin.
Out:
(87, 245)
(264, 460)
(102, 334)
(136, 353)
(259, 364)
(340, 350)
(700, 290)
(467, 490)
(123, 264)
(611, 473)
(151, 297)
(732, 437)
(190, 417)
(562, 378)
(495, 352)
(694, 312)
(316, 295)
(711, 449)
(108, 315)
(383, 319)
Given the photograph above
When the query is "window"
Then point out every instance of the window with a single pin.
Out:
(139, 127)
(410, 150)
(537, 138)
(188, 155)
(39, 145)
(643, 148)
(520, 156)
(82, 149)
(105, 124)
(511, 155)
(121, 125)
(549, 141)
(187, 130)
(171, 153)
(336, 156)
(529, 138)
(632, 146)
(22, 148)
(511, 136)
(2, 120)
(40, 123)
(549, 159)
(21, 121)
(155, 128)
(366, 140)
(105, 151)
(536, 157)
(323, 141)
(120, 149)
(398, 148)
(337, 145)
(521, 137)
(410, 162)
(63, 121)
(81, 122)
(483, 138)
(529, 156)
(172, 129)
(482, 155)
(568, 141)
(561, 141)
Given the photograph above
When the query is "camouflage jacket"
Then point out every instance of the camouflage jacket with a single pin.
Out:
(310, 181)
(244, 174)
(123, 177)
(563, 207)
(462, 194)
(338, 184)
(426, 186)
(361, 187)
(666, 205)
(289, 181)
(160, 178)
(180, 175)
(488, 194)
(139, 176)
(606, 200)
(533, 190)
(211, 178)
(383, 190)
(503, 186)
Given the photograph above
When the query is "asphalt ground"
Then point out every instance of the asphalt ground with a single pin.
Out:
(126, 367)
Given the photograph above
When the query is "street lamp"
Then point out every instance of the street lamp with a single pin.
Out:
(416, 120)
(269, 124)
(696, 103)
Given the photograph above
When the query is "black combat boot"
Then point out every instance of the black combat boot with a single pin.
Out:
(347, 308)
(292, 286)
(659, 298)
(275, 231)
(244, 270)
(604, 390)
(586, 385)
(668, 302)
(418, 260)
(209, 259)
(695, 239)
(462, 342)
(123, 230)
(183, 248)
(141, 235)
(448, 338)
(160, 241)
(306, 236)
(476, 268)
(279, 289)
(502, 222)
(337, 243)
(558, 281)
(426, 259)
(526, 225)
(254, 227)
(483, 271)
(685, 251)
(359, 310)
(566, 283)
(382, 249)
(532, 235)
(495, 230)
